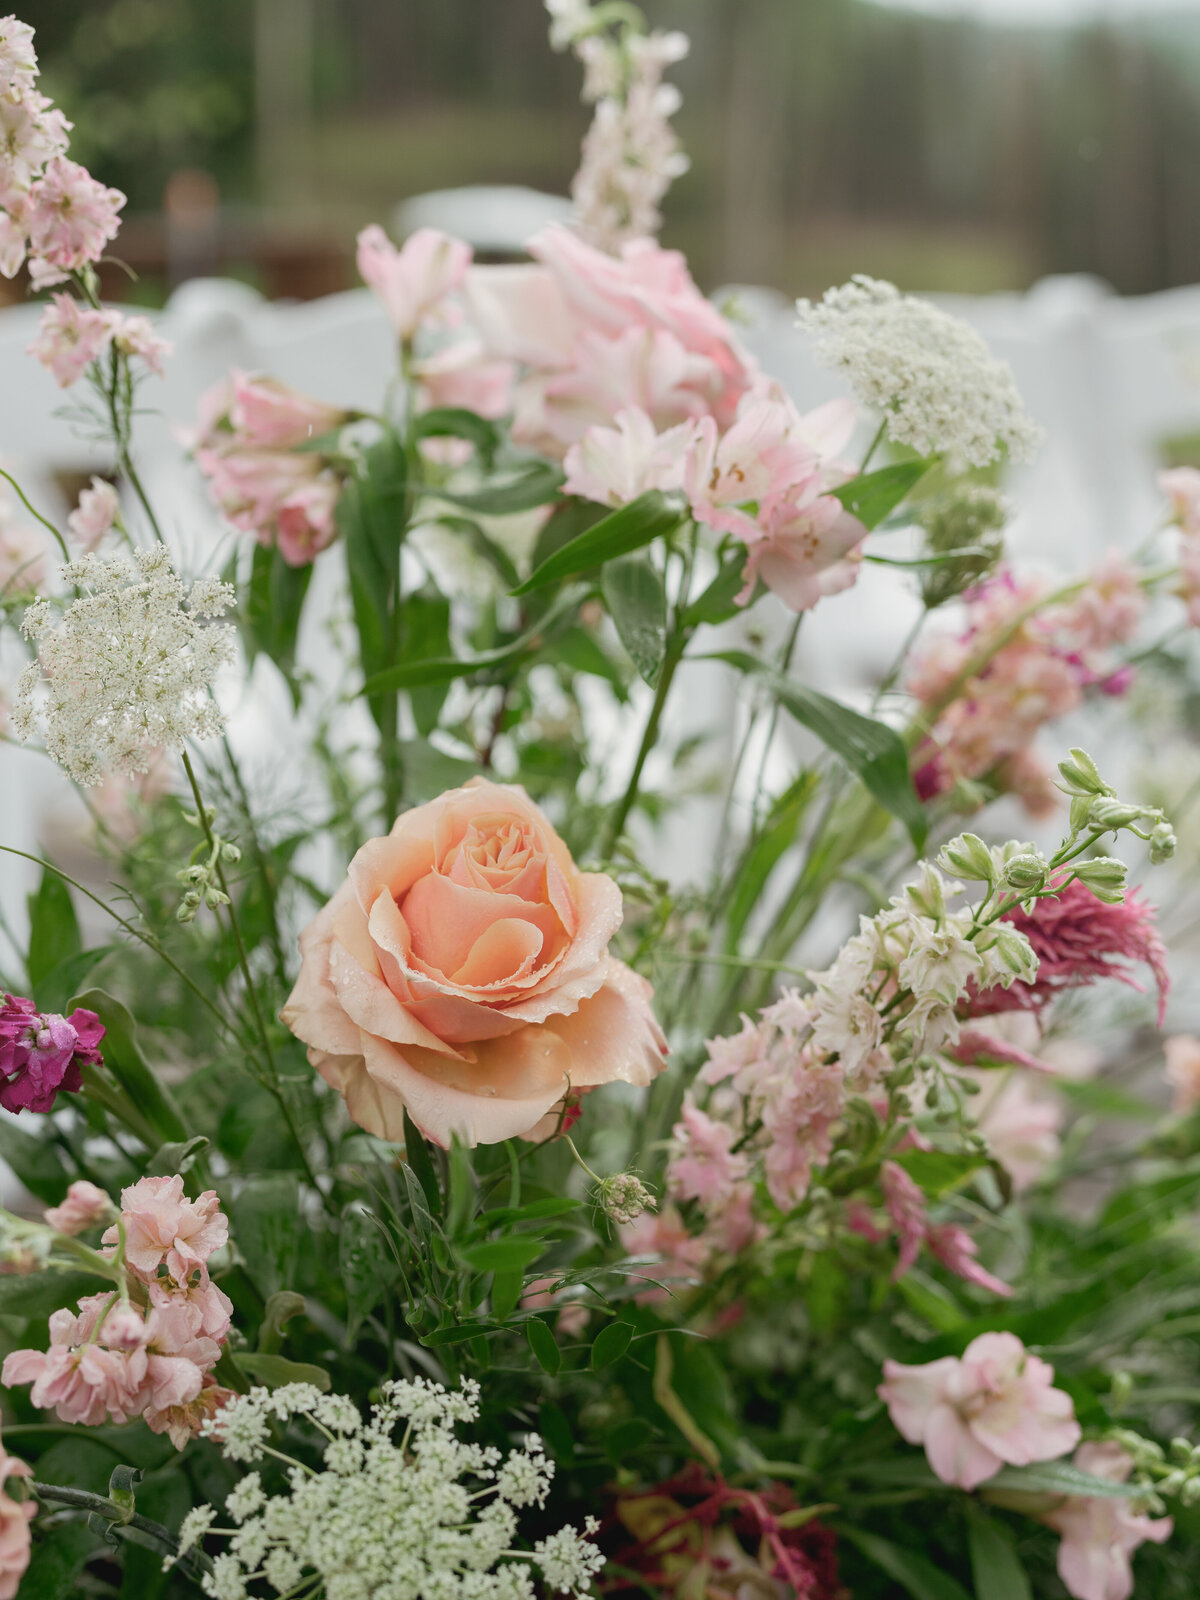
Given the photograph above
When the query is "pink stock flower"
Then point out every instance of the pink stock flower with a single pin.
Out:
(994, 1406)
(613, 466)
(1100, 1534)
(703, 1165)
(70, 337)
(95, 515)
(1108, 610)
(1182, 1051)
(461, 375)
(43, 1055)
(15, 1515)
(1181, 486)
(414, 281)
(601, 334)
(86, 1206)
(73, 217)
(163, 1227)
(185, 1421)
(81, 1382)
(1079, 939)
(135, 336)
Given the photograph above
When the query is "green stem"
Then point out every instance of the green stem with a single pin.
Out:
(33, 512)
(270, 893)
(99, 1506)
(873, 446)
(785, 662)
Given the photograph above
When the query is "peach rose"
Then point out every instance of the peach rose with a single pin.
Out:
(462, 972)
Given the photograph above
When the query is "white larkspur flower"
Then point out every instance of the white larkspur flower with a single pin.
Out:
(939, 963)
(430, 1516)
(934, 379)
(127, 669)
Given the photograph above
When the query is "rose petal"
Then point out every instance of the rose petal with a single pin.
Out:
(614, 1036)
(371, 1005)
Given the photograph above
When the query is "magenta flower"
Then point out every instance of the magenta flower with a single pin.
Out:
(43, 1054)
(1077, 940)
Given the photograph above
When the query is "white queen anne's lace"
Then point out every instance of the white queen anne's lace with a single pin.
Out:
(934, 379)
(428, 1517)
(126, 670)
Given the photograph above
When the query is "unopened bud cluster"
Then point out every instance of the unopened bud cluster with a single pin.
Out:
(623, 1197)
(1162, 1474)
(202, 878)
(1096, 808)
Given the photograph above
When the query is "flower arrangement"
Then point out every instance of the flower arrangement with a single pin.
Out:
(426, 1197)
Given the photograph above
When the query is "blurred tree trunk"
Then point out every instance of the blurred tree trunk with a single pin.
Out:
(284, 34)
(754, 147)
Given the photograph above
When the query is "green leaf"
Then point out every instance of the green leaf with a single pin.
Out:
(37, 1294)
(458, 1334)
(506, 1292)
(35, 1161)
(416, 1153)
(53, 928)
(871, 749)
(274, 602)
(567, 521)
(57, 1561)
(716, 604)
(56, 988)
(443, 669)
(919, 1577)
(429, 772)
(279, 1309)
(874, 496)
(425, 620)
(457, 423)
(995, 1565)
(463, 1189)
(274, 1371)
(535, 485)
(368, 1267)
(651, 516)
(513, 1254)
(637, 603)
(1059, 1477)
(266, 1229)
(610, 1344)
(124, 1059)
(938, 1171)
(544, 1345)
(486, 548)
(177, 1157)
(778, 833)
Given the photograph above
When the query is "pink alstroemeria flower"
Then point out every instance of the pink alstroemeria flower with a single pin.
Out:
(1098, 1534)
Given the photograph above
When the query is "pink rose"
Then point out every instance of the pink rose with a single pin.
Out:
(15, 1517)
(462, 972)
(995, 1405)
(1099, 1535)
(413, 281)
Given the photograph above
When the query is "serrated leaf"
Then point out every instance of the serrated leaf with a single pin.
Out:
(610, 1344)
(875, 496)
(872, 750)
(544, 1345)
(274, 1371)
(637, 603)
(995, 1565)
(651, 516)
(917, 1576)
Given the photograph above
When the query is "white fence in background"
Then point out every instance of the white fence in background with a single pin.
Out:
(1108, 378)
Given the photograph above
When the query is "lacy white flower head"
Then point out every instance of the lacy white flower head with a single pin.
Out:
(127, 668)
(430, 1515)
(938, 386)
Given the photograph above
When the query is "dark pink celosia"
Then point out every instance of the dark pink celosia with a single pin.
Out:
(43, 1054)
(1079, 939)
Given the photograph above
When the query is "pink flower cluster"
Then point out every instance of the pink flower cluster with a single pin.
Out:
(766, 481)
(995, 1405)
(247, 447)
(1181, 485)
(15, 1515)
(72, 335)
(1079, 939)
(597, 334)
(43, 1055)
(51, 209)
(1037, 664)
(146, 1349)
(908, 1219)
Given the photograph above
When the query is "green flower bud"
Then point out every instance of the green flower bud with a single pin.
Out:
(1105, 877)
(969, 858)
(1162, 843)
(1026, 873)
(1114, 814)
(1080, 775)
(231, 853)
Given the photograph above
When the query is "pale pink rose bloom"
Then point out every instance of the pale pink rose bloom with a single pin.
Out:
(703, 1165)
(86, 1206)
(15, 1515)
(95, 514)
(73, 217)
(462, 376)
(1182, 1051)
(413, 281)
(135, 336)
(265, 414)
(70, 337)
(306, 520)
(162, 1227)
(613, 466)
(1099, 1535)
(996, 1405)
(1020, 1125)
(462, 973)
(1181, 486)
(23, 555)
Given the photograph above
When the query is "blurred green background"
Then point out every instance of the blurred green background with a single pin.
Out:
(827, 136)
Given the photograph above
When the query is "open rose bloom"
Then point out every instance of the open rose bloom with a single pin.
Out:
(462, 972)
